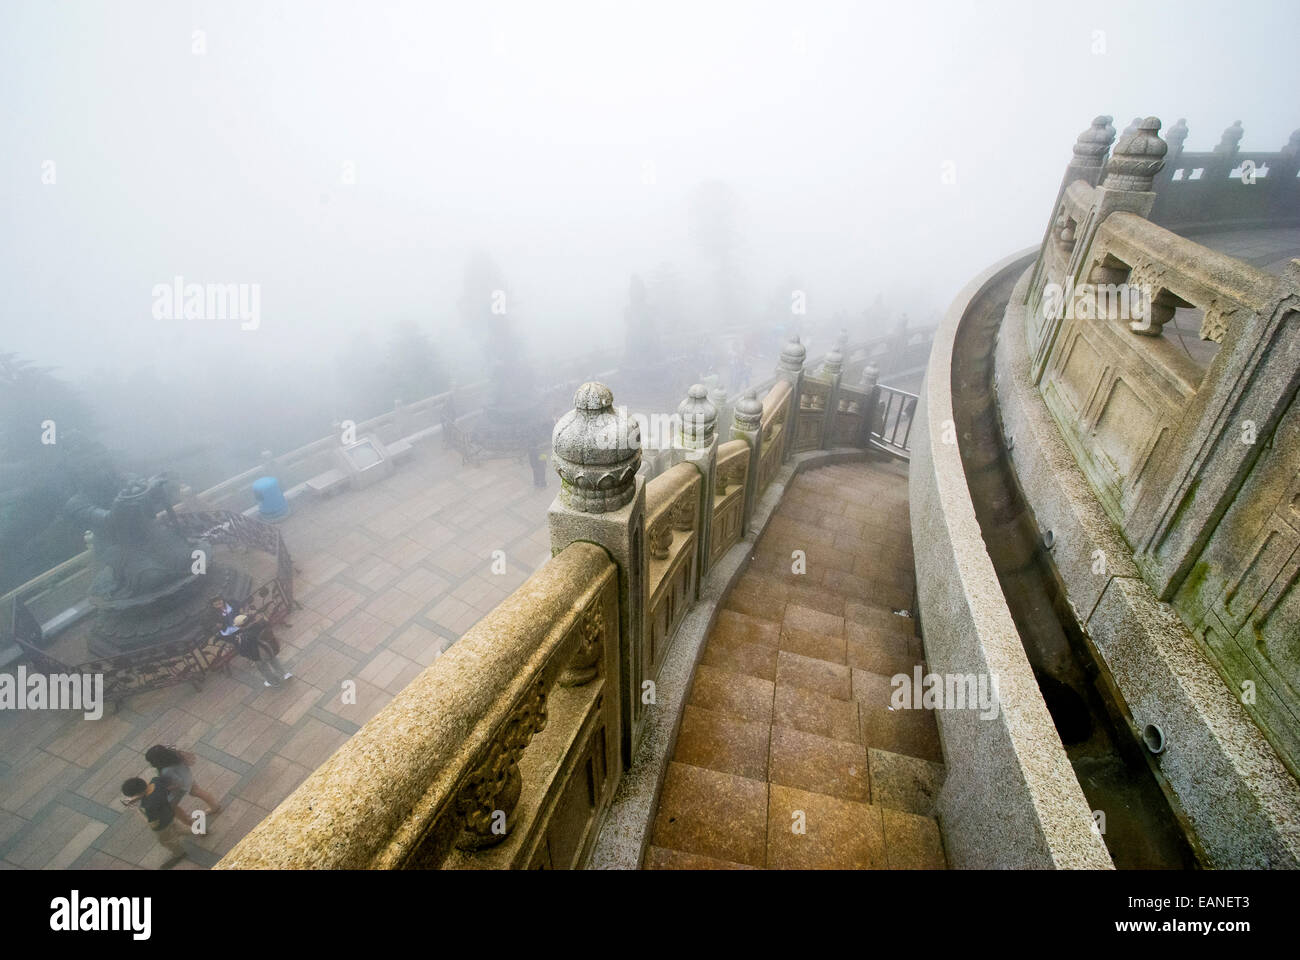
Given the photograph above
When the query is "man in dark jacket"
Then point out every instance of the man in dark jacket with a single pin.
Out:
(257, 642)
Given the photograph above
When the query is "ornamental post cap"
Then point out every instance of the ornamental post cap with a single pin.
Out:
(749, 411)
(793, 353)
(1137, 158)
(699, 417)
(596, 452)
(1091, 145)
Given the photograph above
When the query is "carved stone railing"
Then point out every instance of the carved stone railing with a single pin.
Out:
(772, 439)
(502, 754)
(672, 539)
(1227, 185)
(728, 522)
(1194, 465)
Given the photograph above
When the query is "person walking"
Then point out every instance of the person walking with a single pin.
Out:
(257, 642)
(154, 805)
(173, 768)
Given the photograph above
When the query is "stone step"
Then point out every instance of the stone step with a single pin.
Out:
(789, 754)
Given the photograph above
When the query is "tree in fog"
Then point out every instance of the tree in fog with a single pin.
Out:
(47, 453)
(715, 230)
(413, 367)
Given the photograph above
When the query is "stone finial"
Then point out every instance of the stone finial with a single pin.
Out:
(699, 418)
(793, 354)
(749, 411)
(834, 363)
(596, 452)
(1292, 148)
(1176, 135)
(1132, 127)
(718, 397)
(870, 375)
(1228, 143)
(1092, 144)
(1137, 158)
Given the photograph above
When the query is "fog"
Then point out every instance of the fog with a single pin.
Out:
(349, 159)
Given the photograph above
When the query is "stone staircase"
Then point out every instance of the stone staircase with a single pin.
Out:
(789, 756)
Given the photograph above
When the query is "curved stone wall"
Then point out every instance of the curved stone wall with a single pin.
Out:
(1237, 800)
(1011, 798)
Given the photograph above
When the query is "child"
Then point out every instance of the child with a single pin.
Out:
(157, 811)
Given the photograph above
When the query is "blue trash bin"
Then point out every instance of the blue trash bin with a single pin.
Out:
(271, 504)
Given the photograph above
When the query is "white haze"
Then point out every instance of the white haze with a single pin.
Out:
(529, 131)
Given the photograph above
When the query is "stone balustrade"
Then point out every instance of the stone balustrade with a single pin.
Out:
(1200, 190)
(506, 751)
(502, 754)
(1194, 463)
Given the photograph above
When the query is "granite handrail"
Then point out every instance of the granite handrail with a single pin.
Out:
(469, 765)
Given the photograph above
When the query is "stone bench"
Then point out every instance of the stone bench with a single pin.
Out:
(327, 483)
(399, 450)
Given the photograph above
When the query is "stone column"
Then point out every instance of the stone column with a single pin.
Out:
(790, 369)
(699, 440)
(748, 426)
(834, 369)
(602, 500)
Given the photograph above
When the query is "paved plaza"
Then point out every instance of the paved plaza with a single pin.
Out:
(388, 577)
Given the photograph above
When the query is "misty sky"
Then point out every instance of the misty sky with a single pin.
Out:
(563, 139)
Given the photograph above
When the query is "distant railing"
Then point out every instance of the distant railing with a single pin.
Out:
(1227, 186)
(892, 431)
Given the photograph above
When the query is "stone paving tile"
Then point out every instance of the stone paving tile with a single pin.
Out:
(660, 858)
(838, 834)
(754, 659)
(822, 675)
(724, 743)
(86, 744)
(910, 784)
(737, 695)
(912, 842)
(312, 743)
(734, 626)
(273, 781)
(807, 619)
(65, 835)
(813, 644)
(389, 671)
(712, 814)
(247, 736)
(912, 732)
(819, 764)
(817, 713)
(418, 644)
